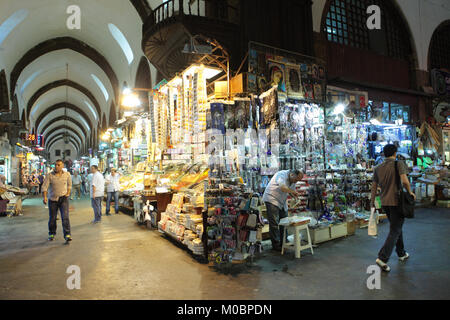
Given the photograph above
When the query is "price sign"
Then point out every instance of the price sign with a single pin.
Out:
(31, 137)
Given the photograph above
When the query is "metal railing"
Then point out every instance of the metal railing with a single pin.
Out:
(173, 8)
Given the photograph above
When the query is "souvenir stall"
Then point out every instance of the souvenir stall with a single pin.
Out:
(132, 161)
(11, 197)
(11, 200)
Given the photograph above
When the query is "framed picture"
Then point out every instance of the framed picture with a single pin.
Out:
(293, 81)
(277, 77)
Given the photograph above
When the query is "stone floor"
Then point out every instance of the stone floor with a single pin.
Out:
(121, 260)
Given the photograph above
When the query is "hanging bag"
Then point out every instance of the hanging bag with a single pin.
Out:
(405, 200)
(373, 228)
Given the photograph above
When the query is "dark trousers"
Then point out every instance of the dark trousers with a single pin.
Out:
(63, 206)
(395, 237)
(97, 206)
(40, 188)
(110, 195)
(274, 215)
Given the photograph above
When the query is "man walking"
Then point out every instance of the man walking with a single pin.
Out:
(76, 185)
(275, 196)
(97, 192)
(112, 188)
(60, 184)
(385, 177)
(41, 181)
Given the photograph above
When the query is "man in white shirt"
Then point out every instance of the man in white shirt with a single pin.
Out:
(112, 188)
(275, 197)
(97, 193)
(76, 185)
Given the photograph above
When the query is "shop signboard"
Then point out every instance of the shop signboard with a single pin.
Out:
(40, 140)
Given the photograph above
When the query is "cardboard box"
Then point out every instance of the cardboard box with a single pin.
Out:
(338, 231)
(320, 235)
(351, 228)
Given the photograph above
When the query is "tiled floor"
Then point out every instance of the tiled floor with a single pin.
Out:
(120, 260)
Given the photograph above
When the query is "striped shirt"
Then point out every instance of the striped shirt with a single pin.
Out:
(59, 185)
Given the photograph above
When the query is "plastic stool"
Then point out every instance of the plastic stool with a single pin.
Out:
(297, 242)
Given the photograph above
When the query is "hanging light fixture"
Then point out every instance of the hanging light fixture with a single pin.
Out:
(66, 134)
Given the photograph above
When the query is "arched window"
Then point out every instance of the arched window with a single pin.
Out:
(346, 24)
(440, 47)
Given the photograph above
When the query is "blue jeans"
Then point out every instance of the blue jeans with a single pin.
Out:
(114, 194)
(97, 206)
(63, 206)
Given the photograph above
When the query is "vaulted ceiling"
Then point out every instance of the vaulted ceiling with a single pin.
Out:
(36, 46)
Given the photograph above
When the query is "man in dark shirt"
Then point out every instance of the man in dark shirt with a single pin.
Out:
(385, 177)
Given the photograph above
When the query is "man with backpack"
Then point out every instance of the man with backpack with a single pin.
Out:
(384, 177)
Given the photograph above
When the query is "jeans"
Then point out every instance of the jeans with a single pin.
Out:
(274, 215)
(97, 206)
(76, 190)
(114, 194)
(63, 206)
(395, 237)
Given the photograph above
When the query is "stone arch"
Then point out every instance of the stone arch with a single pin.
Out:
(63, 105)
(439, 50)
(104, 123)
(66, 128)
(60, 83)
(4, 96)
(61, 137)
(24, 119)
(143, 80)
(78, 124)
(60, 44)
(112, 114)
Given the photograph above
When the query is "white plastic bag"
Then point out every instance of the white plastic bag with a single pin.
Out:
(373, 230)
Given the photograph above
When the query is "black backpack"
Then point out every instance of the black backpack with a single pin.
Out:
(406, 202)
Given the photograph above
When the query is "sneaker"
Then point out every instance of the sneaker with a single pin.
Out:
(94, 221)
(68, 238)
(51, 237)
(108, 214)
(405, 257)
(383, 265)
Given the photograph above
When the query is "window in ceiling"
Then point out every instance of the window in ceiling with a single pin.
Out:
(13, 21)
(28, 81)
(101, 86)
(122, 41)
(91, 108)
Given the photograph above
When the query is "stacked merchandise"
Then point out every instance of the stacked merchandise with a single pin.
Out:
(183, 223)
(11, 200)
(233, 223)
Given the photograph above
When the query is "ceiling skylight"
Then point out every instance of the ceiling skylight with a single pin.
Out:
(122, 41)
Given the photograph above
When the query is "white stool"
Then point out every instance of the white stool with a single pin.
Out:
(297, 241)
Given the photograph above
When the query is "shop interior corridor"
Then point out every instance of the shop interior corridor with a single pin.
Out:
(120, 260)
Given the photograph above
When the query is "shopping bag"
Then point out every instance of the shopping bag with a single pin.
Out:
(373, 230)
